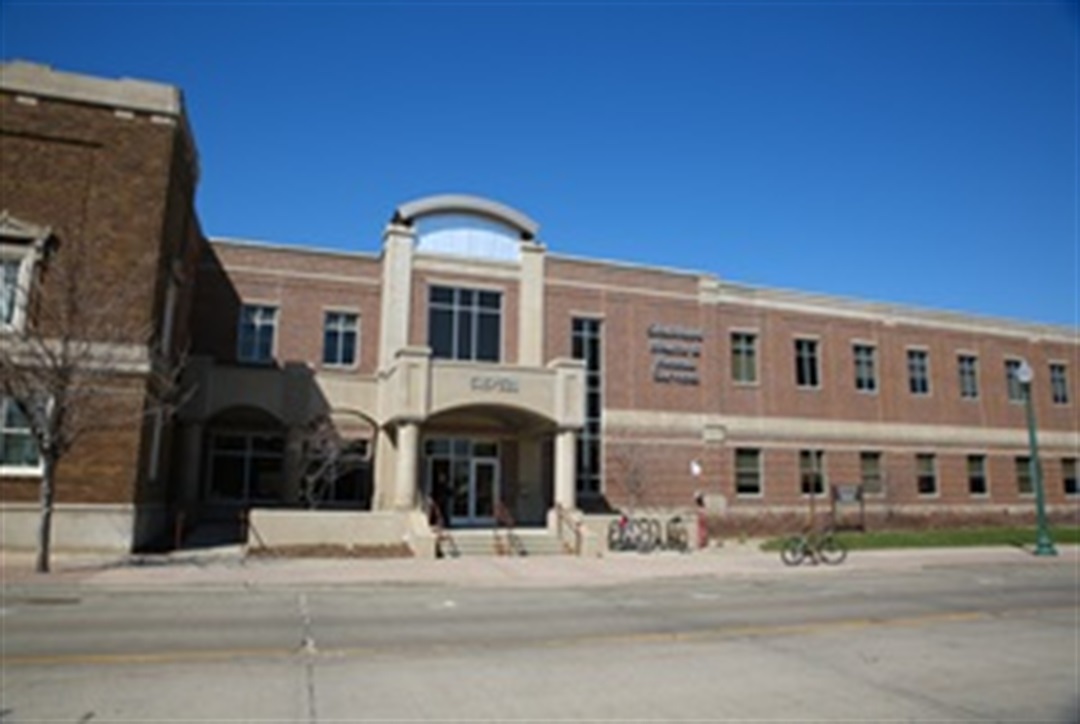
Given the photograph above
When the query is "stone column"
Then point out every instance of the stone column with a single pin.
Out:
(408, 437)
(531, 306)
(565, 468)
(398, 242)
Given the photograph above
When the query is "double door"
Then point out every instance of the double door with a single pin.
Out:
(463, 480)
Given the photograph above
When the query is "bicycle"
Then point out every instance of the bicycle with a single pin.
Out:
(824, 547)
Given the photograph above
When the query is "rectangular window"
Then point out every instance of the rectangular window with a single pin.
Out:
(926, 474)
(872, 478)
(968, 366)
(465, 324)
(585, 344)
(1068, 476)
(744, 357)
(1059, 384)
(747, 472)
(1012, 382)
(340, 334)
(918, 361)
(865, 368)
(1024, 484)
(812, 472)
(18, 450)
(806, 363)
(9, 290)
(255, 340)
(976, 473)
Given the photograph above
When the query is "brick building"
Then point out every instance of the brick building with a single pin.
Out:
(97, 182)
(464, 372)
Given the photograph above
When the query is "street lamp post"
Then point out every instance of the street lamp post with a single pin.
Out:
(1044, 544)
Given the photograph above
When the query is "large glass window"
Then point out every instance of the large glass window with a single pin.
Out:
(918, 371)
(586, 344)
(340, 333)
(255, 340)
(744, 357)
(465, 324)
(806, 363)
(18, 450)
(748, 472)
(865, 368)
(969, 376)
(246, 467)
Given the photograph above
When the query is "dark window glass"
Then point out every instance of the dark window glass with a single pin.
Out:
(441, 333)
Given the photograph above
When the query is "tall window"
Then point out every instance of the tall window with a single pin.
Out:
(255, 341)
(465, 324)
(1068, 476)
(1059, 384)
(812, 472)
(18, 451)
(747, 472)
(918, 361)
(1024, 484)
(586, 345)
(865, 368)
(806, 363)
(1012, 382)
(873, 480)
(340, 331)
(968, 366)
(744, 357)
(9, 290)
(976, 472)
(926, 474)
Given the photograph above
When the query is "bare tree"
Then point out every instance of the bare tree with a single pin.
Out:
(85, 346)
(327, 457)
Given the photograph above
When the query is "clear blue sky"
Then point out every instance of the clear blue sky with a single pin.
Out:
(912, 152)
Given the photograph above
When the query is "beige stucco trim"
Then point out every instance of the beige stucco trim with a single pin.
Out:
(742, 429)
(469, 267)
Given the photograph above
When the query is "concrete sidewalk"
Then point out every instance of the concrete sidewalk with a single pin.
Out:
(229, 568)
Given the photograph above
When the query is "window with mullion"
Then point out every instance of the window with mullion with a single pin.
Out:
(976, 470)
(9, 289)
(812, 472)
(585, 344)
(865, 368)
(258, 323)
(748, 472)
(339, 339)
(1059, 384)
(806, 363)
(744, 357)
(465, 324)
(969, 376)
(918, 371)
(926, 474)
(18, 448)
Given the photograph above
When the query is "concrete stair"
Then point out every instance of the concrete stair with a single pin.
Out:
(486, 542)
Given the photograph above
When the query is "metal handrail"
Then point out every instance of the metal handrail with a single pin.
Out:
(565, 520)
(505, 518)
(438, 525)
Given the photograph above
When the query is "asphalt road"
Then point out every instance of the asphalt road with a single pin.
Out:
(959, 643)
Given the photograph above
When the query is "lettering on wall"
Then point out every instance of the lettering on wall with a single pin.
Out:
(676, 353)
(491, 383)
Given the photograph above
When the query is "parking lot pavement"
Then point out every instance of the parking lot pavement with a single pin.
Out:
(230, 567)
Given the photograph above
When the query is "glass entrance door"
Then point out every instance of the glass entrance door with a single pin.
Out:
(463, 480)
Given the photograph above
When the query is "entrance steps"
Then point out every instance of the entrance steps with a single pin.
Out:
(455, 542)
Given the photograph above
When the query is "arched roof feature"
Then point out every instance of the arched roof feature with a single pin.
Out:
(465, 204)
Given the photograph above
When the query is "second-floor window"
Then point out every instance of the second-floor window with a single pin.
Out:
(1012, 381)
(969, 376)
(744, 357)
(465, 324)
(1059, 384)
(255, 339)
(340, 332)
(9, 290)
(918, 361)
(806, 363)
(865, 368)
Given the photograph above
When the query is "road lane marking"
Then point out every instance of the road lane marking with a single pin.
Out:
(698, 635)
